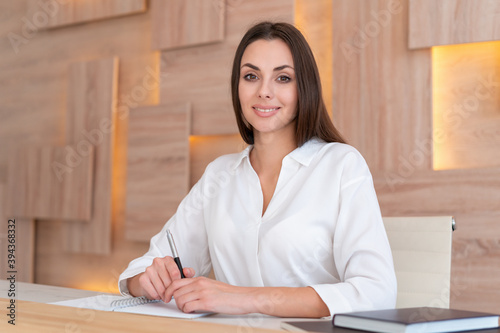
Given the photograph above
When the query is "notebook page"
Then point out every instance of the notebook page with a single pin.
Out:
(104, 303)
(100, 302)
(161, 309)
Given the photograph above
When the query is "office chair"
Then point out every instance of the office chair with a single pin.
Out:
(421, 248)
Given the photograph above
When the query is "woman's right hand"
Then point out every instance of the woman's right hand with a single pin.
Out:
(157, 277)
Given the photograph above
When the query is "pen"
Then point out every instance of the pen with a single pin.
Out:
(174, 252)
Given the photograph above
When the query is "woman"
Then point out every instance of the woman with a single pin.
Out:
(291, 226)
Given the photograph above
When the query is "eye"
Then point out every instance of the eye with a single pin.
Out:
(284, 79)
(250, 77)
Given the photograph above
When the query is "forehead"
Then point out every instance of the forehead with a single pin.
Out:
(263, 52)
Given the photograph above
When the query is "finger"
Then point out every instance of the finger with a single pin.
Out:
(186, 295)
(173, 269)
(158, 284)
(147, 287)
(189, 272)
(160, 265)
(175, 286)
(198, 295)
(195, 305)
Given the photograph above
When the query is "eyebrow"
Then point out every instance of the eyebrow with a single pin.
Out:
(279, 68)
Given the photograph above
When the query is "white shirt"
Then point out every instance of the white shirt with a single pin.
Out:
(322, 228)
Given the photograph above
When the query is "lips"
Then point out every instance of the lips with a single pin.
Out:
(265, 110)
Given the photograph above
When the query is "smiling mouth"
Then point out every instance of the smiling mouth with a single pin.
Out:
(265, 110)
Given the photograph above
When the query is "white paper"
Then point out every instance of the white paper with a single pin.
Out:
(103, 303)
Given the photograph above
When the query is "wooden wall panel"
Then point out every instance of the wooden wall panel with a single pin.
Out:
(26, 120)
(475, 273)
(205, 84)
(474, 199)
(447, 192)
(24, 242)
(382, 102)
(3, 253)
(157, 167)
(201, 75)
(452, 22)
(62, 13)
(475, 262)
(25, 249)
(466, 105)
(205, 149)
(92, 96)
(314, 20)
(385, 120)
(34, 76)
(50, 182)
(181, 23)
(3, 232)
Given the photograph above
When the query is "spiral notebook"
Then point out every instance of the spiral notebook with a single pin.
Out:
(138, 305)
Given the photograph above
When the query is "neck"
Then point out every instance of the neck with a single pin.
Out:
(270, 149)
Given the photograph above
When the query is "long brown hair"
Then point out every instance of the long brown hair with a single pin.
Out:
(312, 117)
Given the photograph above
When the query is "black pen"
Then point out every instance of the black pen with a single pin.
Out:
(174, 252)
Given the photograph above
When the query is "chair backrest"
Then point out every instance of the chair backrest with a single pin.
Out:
(421, 248)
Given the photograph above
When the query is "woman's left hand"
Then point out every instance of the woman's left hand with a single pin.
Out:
(204, 294)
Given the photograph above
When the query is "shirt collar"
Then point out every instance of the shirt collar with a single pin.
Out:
(303, 154)
(244, 154)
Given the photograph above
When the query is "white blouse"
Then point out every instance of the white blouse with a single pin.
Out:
(322, 228)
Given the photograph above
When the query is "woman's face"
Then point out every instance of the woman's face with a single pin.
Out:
(268, 87)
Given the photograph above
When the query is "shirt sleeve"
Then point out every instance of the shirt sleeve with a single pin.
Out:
(188, 228)
(361, 250)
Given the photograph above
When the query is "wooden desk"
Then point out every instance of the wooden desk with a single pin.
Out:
(40, 317)
(34, 315)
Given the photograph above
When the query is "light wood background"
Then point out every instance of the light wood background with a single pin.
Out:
(208, 15)
(51, 188)
(157, 167)
(378, 72)
(383, 102)
(452, 22)
(90, 120)
(62, 13)
(466, 89)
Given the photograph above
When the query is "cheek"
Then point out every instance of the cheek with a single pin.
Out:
(245, 93)
(242, 93)
(289, 96)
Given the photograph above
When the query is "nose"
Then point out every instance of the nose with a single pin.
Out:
(265, 91)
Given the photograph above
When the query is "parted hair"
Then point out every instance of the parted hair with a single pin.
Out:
(312, 117)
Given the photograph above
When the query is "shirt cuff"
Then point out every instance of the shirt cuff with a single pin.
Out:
(122, 280)
(333, 298)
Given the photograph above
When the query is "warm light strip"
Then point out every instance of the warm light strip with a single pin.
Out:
(439, 81)
(315, 20)
(111, 287)
(462, 100)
